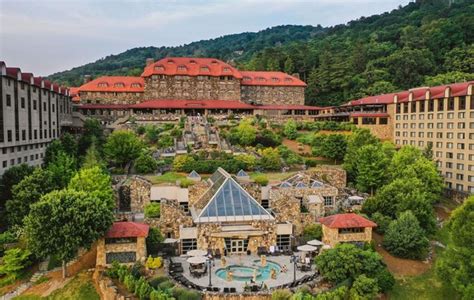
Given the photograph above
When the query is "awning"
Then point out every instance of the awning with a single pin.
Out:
(238, 234)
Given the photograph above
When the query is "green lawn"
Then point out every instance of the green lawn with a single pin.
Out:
(79, 288)
(427, 285)
(169, 177)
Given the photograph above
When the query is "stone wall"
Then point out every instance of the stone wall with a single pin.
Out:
(139, 189)
(102, 249)
(283, 95)
(111, 97)
(192, 88)
(383, 132)
(105, 287)
(332, 237)
(195, 193)
(171, 218)
(334, 175)
(240, 296)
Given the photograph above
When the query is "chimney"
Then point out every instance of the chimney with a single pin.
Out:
(149, 61)
(297, 75)
(87, 78)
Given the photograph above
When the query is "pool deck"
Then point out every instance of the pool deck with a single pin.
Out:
(244, 260)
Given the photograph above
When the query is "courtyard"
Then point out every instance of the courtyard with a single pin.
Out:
(244, 269)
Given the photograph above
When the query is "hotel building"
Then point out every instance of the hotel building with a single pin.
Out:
(33, 112)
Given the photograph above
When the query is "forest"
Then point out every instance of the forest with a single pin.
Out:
(425, 43)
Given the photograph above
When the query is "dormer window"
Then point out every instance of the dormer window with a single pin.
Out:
(102, 84)
(170, 61)
(214, 62)
(159, 68)
(204, 69)
(192, 61)
(226, 69)
(260, 79)
(182, 68)
(246, 78)
(136, 85)
(274, 79)
(288, 79)
(119, 85)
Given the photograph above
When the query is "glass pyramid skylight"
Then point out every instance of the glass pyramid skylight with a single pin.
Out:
(232, 203)
(194, 174)
(242, 173)
(316, 184)
(285, 184)
(300, 185)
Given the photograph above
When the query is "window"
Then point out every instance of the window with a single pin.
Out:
(440, 104)
(22, 101)
(9, 135)
(431, 105)
(9, 100)
(462, 103)
(121, 257)
(328, 200)
(351, 230)
(451, 103)
(422, 106)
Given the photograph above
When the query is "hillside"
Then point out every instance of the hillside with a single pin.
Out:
(229, 48)
(427, 42)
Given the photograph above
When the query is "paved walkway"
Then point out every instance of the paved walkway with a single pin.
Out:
(244, 260)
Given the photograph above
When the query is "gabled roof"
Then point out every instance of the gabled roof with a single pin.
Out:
(127, 229)
(349, 220)
(230, 202)
(270, 79)
(114, 84)
(180, 104)
(191, 66)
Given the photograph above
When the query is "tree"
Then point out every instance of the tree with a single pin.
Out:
(10, 178)
(145, 163)
(69, 144)
(371, 168)
(289, 66)
(334, 147)
(405, 238)
(83, 218)
(248, 160)
(401, 195)
(336, 294)
(246, 133)
(14, 261)
(290, 130)
(347, 261)
(92, 134)
(181, 161)
(281, 295)
(62, 168)
(94, 181)
(455, 264)
(363, 288)
(122, 146)
(52, 151)
(154, 239)
(359, 138)
(93, 158)
(409, 162)
(312, 232)
(270, 159)
(27, 192)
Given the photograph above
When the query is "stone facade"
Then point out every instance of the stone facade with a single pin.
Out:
(196, 191)
(261, 94)
(172, 217)
(192, 87)
(333, 175)
(139, 191)
(111, 97)
(331, 236)
(139, 247)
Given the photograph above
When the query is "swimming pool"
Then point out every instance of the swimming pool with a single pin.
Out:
(245, 273)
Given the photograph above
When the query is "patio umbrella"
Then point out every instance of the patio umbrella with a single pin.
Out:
(307, 248)
(196, 253)
(195, 260)
(315, 243)
(326, 247)
(170, 241)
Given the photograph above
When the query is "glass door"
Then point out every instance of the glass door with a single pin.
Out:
(237, 246)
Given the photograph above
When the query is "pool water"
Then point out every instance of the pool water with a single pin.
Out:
(245, 273)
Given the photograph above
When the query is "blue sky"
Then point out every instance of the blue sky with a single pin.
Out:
(46, 36)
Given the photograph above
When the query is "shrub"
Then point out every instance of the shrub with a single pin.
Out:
(136, 270)
(312, 232)
(185, 183)
(154, 263)
(155, 282)
(145, 163)
(14, 262)
(152, 210)
(281, 295)
(166, 285)
(261, 179)
(364, 288)
(140, 130)
(129, 282)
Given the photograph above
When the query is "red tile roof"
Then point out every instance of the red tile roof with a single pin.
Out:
(114, 84)
(349, 220)
(191, 66)
(13, 72)
(103, 106)
(437, 92)
(127, 229)
(378, 99)
(270, 79)
(368, 114)
(178, 104)
(287, 107)
(402, 96)
(460, 89)
(419, 93)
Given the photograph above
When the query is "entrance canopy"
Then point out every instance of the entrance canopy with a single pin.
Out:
(196, 252)
(229, 202)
